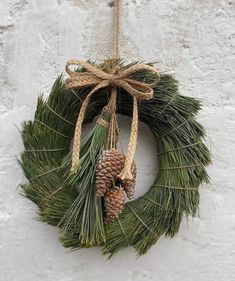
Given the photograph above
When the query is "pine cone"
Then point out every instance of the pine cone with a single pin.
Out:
(109, 166)
(114, 200)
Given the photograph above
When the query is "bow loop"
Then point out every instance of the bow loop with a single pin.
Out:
(137, 89)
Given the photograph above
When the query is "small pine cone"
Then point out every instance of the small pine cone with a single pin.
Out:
(109, 166)
(114, 201)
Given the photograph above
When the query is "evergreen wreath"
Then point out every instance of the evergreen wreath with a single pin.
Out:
(87, 201)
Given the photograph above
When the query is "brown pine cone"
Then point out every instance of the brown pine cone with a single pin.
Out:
(114, 201)
(109, 166)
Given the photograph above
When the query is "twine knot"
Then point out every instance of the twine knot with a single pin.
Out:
(120, 77)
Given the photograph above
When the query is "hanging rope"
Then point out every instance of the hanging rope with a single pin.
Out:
(116, 29)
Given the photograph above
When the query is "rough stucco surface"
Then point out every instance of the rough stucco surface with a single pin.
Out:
(195, 40)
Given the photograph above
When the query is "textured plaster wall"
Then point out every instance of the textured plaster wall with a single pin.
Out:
(195, 40)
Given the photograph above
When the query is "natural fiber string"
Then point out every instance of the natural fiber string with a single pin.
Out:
(126, 172)
(116, 29)
(100, 121)
(113, 127)
(119, 77)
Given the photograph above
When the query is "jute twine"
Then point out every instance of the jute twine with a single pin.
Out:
(118, 78)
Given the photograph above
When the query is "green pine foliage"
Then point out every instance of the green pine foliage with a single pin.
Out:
(84, 217)
(68, 201)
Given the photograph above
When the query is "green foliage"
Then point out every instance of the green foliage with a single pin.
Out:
(69, 201)
(84, 216)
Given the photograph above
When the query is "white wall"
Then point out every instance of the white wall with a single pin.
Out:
(195, 39)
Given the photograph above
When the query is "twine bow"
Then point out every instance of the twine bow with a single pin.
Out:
(101, 79)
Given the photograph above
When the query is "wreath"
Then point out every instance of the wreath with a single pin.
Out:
(80, 184)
